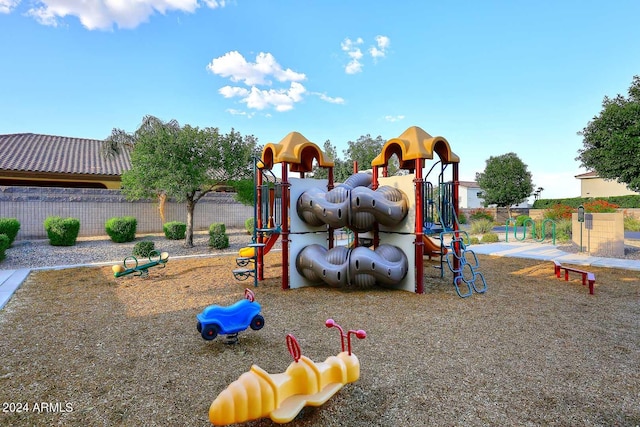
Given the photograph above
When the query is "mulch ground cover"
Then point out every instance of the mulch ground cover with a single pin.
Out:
(81, 348)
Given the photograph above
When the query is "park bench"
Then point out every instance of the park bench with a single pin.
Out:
(586, 276)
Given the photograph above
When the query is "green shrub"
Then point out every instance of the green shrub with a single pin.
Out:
(219, 241)
(10, 228)
(143, 248)
(479, 214)
(631, 223)
(520, 219)
(217, 228)
(490, 238)
(121, 229)
(481, 226)
(548, 228)
(175, 230)
(248, 225)
(573, 202)
(62, 231)
(4, 244)
(474, 240)
(626, 202)
(462, 218)
(563, 230)
(217, 237)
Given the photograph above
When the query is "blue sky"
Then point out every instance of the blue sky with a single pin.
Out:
(489, 76)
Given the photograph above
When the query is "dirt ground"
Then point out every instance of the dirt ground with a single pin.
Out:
(81, 348)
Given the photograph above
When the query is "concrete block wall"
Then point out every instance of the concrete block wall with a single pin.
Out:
(602, 233)
(93, 207)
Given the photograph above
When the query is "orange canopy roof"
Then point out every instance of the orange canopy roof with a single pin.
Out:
(415, 143)
(296, 150)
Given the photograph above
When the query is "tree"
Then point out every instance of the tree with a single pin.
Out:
(184, 163)
(341, 170)
(121, 140)
(505, 181)
(235, 164)
(365, 149)
(612, 139)
(362, 151)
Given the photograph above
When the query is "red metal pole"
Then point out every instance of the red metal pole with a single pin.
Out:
(285, 226)
(374, 183)
(259, 225)
(457, 249)
(418, 228)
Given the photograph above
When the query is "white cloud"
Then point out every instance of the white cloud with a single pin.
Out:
(263, 72)
(233, 91)
(234, 66)
(7, 5)
(355, 55)
(353, 67)
(213, 4)
(104, 14)
(329, 99)
(235, 112)
(259, 99)
(394, 118)
(383, 42)
(353, 51)
(380, 50)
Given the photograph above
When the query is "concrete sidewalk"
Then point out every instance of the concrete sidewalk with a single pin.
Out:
(10, 280)
(548, 252)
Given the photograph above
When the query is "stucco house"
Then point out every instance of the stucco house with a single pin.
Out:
(469, 195)
(28, 159)
(591, 185)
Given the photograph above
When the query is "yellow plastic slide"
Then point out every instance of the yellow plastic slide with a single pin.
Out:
(432, 247)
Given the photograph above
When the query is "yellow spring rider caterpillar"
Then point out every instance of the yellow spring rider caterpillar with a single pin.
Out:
(258, 394)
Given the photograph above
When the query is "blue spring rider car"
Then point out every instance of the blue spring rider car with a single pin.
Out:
(230, 320)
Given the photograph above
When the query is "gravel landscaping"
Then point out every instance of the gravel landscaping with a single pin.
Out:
(101, 250)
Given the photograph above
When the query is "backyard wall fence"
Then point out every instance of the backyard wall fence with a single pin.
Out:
(93, 207)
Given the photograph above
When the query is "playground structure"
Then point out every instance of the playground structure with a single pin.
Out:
(130, 265)
(266, 224)
(404, 217)
(258, 394)
(231, 320)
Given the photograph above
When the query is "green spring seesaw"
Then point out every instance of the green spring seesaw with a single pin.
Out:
(156, 259)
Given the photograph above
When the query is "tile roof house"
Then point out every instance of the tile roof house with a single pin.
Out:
(591, 185)
(28, 159)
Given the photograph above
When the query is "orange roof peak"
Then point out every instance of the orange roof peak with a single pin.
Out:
(296, 150)
(414, 143)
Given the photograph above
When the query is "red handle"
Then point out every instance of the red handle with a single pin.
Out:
(294, 347)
